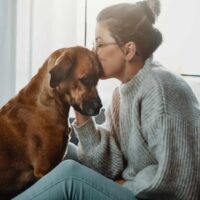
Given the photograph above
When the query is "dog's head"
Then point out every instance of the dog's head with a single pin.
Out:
(75, 77)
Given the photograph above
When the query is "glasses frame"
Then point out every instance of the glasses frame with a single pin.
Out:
(95, 47)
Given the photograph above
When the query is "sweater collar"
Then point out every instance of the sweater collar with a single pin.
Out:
(136, 81)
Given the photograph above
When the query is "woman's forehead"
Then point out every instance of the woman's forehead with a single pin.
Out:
(102, 33)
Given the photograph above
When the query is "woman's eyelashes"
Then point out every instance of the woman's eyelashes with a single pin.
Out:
(99, 45)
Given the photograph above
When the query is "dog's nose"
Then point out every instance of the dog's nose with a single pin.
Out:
(93, 106)
(96, 103)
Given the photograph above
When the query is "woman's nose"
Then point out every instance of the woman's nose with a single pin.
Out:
(94, 49)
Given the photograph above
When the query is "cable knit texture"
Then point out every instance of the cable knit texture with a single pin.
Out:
(151, 137)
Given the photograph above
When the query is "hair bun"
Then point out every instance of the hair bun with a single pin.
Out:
(154, 5)
(151, 8)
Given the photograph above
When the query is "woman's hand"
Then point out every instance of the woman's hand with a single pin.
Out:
(120, 182)
(80, 119)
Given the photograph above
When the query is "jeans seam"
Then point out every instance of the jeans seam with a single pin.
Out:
(76, 179)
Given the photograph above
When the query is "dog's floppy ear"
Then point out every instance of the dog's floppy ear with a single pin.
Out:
(60, 70)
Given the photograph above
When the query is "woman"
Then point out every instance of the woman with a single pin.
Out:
(149, 147)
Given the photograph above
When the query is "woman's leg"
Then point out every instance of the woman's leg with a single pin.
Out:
(72, 181)
(71, 152)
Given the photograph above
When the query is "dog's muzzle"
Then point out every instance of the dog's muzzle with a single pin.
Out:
(90, 108)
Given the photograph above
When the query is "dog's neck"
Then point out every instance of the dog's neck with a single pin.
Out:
(58, 99)
(51, 98)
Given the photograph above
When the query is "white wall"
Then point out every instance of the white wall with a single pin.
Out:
(179, 22)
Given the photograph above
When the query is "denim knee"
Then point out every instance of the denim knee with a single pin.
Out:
(70, 168)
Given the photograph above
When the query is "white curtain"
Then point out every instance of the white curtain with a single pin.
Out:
(29, 31)
(7, 49)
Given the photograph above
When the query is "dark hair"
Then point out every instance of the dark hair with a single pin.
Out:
(134, 22)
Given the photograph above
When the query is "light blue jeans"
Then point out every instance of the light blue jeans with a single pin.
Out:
(72, 181)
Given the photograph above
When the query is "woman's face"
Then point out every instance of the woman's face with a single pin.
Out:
(108, 52)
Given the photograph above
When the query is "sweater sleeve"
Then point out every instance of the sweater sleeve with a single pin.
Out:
(98, 147)
(175, 145)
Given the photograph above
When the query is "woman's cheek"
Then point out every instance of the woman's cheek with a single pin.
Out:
(107, 70)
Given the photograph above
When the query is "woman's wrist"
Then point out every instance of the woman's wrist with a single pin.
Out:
(80, 119)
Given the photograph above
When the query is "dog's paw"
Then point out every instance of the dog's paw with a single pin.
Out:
(41, 171)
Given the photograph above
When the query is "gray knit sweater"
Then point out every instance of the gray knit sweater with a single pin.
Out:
(151, 137)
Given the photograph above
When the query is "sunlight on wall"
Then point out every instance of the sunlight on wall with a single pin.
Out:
(180, 25)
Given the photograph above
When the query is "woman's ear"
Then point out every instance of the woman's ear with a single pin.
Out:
(129, 50)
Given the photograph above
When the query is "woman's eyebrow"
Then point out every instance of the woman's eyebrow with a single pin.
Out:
(98, 38)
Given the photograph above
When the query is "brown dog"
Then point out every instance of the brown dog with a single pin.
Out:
(34, 126)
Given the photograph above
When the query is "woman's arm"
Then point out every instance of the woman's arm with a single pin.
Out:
(98, 145)
(80, 119)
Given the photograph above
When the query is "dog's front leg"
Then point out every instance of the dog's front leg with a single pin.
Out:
(38, 155)
(46, 153)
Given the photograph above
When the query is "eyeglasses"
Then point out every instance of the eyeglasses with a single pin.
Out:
(96, 47)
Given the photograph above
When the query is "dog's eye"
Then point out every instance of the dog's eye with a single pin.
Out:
(86, 81)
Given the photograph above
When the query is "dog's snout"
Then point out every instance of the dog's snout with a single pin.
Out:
(96, 103)
(93, 106)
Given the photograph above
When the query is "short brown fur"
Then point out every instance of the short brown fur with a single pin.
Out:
(33, 125)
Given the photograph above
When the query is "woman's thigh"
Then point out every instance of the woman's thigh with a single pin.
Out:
(72, 181)
(71, 152)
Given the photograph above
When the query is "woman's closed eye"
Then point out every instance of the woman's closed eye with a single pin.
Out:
(100, 45)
